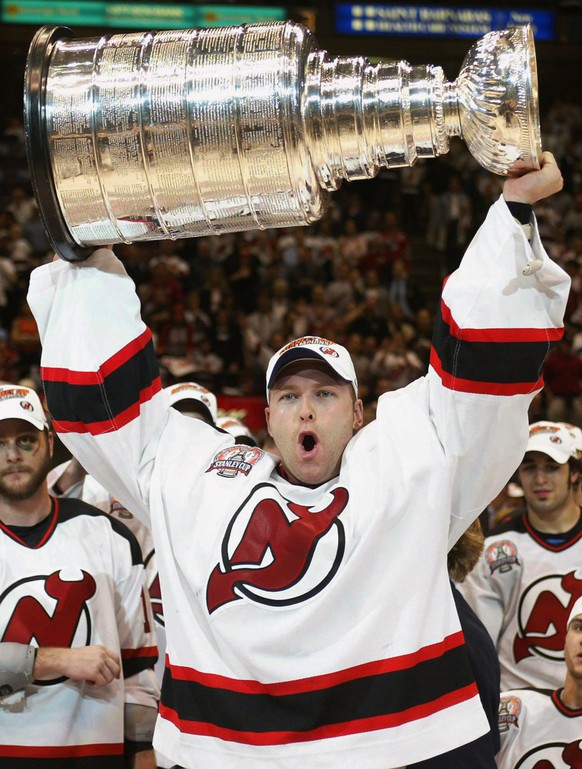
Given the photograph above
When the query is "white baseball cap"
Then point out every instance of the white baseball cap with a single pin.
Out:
(576, 433)
(191, 391)
(553, 439)
(18, 402)
(576, 610)
(236, 428)
(313, 348)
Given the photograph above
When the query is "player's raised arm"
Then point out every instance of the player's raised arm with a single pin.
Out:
(100, 371)
(500, 312)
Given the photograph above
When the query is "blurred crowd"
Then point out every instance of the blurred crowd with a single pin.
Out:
(367, 275)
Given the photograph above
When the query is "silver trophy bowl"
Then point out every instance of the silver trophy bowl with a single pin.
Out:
(177, 134)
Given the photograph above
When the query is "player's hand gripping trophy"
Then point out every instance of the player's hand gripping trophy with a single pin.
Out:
(186, 133)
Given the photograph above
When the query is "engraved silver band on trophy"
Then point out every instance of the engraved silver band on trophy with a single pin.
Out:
(176, 134)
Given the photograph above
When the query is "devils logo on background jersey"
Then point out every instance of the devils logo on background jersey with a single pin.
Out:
(555, 755)
(155, 593)
(542, 615)
(48, 610)
(278, 552)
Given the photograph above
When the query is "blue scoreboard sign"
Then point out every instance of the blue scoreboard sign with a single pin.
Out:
(435, 21)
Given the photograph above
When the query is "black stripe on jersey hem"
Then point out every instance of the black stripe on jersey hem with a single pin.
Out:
(103, 402)
(77, 762)
(137, 664)
(499, 362)
(368, 697)
(70, 508)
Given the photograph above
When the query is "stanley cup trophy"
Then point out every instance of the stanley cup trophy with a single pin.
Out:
(177, 134)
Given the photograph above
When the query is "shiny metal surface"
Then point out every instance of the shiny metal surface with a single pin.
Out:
(193, 132)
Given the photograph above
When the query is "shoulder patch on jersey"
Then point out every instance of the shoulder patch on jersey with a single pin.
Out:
(501, 555)
(233, 460)
(509, 712)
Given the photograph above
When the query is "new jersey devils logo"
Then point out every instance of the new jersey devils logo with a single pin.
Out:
(542, 616)
(50, 610)
(554, 755)
(278, 552)
(155, 593)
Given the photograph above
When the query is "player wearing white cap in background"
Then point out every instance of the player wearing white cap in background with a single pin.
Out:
(77, 687)
(193, 400)
(576, 433)
(308, 610)
(237, 428)
(530, 573)
(543, 728)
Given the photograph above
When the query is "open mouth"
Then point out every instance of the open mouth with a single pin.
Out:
(308, 442)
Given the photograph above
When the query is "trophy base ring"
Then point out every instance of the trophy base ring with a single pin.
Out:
(37, 144)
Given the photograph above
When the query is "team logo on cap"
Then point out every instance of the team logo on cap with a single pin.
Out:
(509, 712)
(26, 406)
(502, 556)
(13, 392)
(191, 387)
(329, 351)
(550, 430)
(311, 340)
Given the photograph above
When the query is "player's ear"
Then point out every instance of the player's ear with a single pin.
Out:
(358, 414)
(51, 442)
(268, 420)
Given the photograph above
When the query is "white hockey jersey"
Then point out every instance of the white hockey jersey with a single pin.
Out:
(538, 731)
(81, 585)
(309, 625)
(523, 590)
(93, 493)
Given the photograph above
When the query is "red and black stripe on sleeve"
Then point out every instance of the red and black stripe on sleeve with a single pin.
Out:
(366, 698)
(492, 361)
(102, 401)
(135, 660)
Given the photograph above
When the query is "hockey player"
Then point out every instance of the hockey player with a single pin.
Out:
(76, 651)
(193, 400)
(543, 728)
(308, 610)
(530, 573)
(239, 431)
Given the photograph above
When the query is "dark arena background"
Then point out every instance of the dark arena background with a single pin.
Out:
(229, 285)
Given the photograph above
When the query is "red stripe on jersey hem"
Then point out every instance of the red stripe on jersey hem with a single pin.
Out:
(145, 651)
(110, 425)
(329, 731)
(315, 683)
(499, 334)
(61, 751)
(458, 384)
(55, 374)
